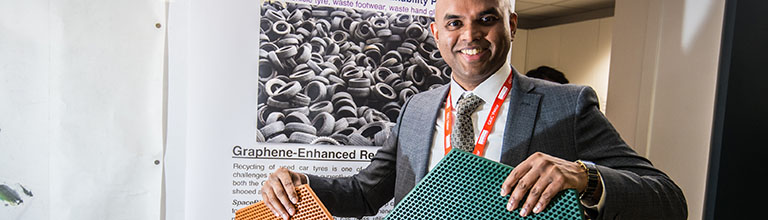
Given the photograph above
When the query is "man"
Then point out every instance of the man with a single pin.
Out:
(548, 132)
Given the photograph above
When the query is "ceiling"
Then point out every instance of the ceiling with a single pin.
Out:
(541, 13)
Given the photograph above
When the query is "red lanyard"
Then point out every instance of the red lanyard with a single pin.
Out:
(481, 140)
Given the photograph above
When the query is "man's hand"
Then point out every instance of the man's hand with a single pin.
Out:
(544, 176)
(279, 193)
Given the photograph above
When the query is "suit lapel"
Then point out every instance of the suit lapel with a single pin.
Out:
(521, 119)
(424, 129)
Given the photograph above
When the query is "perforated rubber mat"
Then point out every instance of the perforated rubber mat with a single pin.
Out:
(466, 186)
(309, 208)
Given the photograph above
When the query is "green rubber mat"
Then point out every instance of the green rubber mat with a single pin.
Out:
(466, 186)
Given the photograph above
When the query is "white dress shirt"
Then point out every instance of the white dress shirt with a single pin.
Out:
(487, 90)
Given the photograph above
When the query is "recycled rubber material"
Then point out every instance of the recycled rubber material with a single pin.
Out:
(272, 129)
(301, 137)
(325, 140)
(323, 123)
(295, 127)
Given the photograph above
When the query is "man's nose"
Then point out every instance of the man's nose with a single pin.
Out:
(472, 32)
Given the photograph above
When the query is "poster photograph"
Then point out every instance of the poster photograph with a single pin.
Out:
(338, 76)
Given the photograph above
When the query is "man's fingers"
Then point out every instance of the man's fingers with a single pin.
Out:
(268, 204)
(280, 185)
(552, 189)
(509, 182)
(279, 192)
(282, 196)
(534, 194)
(513, 177)
(298, 179)
(272, 201)
(288, 185)
(522, 186)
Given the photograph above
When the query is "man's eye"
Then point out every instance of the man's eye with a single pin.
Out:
(488, 19)
(454, 23)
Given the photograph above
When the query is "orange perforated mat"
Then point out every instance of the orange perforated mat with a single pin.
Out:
(309, 208)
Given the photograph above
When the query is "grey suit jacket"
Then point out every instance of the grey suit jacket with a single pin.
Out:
(560, 120)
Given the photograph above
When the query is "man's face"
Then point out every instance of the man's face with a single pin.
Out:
(473, 36)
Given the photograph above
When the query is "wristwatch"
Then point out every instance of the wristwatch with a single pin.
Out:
(592, 180)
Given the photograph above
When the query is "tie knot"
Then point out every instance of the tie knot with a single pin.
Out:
(468, 103)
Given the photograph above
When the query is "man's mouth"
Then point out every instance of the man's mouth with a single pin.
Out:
(472, 51)
(473, 54)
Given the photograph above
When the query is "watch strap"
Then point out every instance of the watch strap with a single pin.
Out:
(592, 180)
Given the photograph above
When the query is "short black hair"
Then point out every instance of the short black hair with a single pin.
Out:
(548, 73)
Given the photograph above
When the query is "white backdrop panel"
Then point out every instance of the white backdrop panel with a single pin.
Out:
(81, 87)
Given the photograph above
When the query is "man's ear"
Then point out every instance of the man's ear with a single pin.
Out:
(433, 29)
(513, 24)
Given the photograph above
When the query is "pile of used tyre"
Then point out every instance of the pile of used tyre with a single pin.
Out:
(338, 75)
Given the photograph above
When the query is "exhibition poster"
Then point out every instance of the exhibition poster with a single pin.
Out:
(332, 76)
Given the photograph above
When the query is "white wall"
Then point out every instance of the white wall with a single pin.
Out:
(581, 50)
(81, 107)
(663, 71)
(519, 48)
(25, 105)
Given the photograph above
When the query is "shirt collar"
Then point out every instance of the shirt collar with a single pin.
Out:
(487, 90)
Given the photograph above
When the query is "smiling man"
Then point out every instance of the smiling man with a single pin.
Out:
(554, 135)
